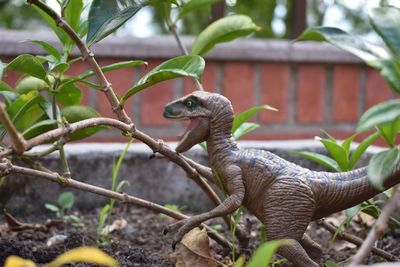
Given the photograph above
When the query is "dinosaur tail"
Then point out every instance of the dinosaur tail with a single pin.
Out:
(338, 191)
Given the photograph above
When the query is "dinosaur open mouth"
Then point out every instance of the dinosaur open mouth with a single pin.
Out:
(194, 122)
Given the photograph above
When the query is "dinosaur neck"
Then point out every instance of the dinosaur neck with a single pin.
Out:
(220, 142)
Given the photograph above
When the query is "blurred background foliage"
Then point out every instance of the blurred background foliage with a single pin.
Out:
(279, 19)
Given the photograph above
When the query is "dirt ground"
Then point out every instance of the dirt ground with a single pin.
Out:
(141, 242)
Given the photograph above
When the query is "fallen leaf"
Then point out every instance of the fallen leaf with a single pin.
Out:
(116, 225)
(339, 245)
(194, 250)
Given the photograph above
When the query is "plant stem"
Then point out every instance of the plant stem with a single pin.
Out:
(379, 227)
(122, 197)
(19, 143)
(355, 240)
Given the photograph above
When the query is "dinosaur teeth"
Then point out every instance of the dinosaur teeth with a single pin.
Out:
(192, 125)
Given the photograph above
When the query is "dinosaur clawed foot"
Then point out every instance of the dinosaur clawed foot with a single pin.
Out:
(180, 228)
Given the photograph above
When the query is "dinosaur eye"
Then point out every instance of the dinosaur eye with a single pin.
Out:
(189, 104)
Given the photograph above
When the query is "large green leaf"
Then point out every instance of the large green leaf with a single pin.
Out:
(28, 64)
(40, 127)
(72, 13)
(386, 22)
(379, 114)
(244, 116)
(106, 16)
(244, 128)
(194, 5)
(77, 113)
(357, 153)
(264, 253)
(69, 95)
(177, 67)
(381, 165)
(320, 159)
(49, 48)
(353, 44)
(223, 30)
(389, 131)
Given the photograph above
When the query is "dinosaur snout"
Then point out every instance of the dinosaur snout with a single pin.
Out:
(170, 112)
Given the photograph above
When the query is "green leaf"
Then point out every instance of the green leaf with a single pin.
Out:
(194, 5)
(244, 116)
(320, 159)
(28, 64)
(106, 16)
(353, 44)
(51, 207)
(264, 253)
(115, 66)
(66, 200)
(69, 95)
(223, 30)
(5, 87)
(390, 71)
(72, 13)
(244, 128)
(386, 22)
(381, 165)
(8, 93)
(379, 114)
(389, 131)
(337, 152)
(49, 48)
(177, 67)
(2, 68)
(347, 143)
(39, 128)
(357, 153)
(30, 83)
(77, 113)
(330, 263)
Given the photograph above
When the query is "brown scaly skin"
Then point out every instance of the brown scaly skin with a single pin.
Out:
(282, 195)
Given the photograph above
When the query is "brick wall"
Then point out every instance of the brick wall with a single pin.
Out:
(314, 86)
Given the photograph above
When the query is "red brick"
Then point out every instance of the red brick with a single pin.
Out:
(275, 82)
(377, 90)
(346, 93)
(310, 93)
(77, 69)
(153, 101)
(208, 80)
(238, 84)
(121, 80)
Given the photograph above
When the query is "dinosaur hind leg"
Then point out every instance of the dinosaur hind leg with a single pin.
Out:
(312, 248)
(296, 254)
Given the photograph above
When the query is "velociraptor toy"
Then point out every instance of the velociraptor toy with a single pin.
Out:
(282, 195)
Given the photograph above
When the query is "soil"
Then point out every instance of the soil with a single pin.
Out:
(141, 242)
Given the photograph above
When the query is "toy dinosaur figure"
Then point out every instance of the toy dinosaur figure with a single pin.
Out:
(282, 195)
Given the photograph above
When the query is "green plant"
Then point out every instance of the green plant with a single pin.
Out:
(65, 202)
(103, 234)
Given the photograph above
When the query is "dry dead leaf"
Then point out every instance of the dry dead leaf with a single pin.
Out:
(194, 250)
(339, 245)
(116, 225)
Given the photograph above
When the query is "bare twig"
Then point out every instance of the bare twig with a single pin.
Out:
(379, 227)
(355, 240)
(122, 197)
(19, 143)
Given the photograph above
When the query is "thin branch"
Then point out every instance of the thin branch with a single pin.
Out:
(379, 227)
(19, 143)
(7, 167)
(355, 240)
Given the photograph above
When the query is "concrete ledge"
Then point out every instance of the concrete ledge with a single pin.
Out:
(157, 180)
(165, 47)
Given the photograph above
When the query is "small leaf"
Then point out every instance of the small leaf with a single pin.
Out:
(106, 16)
(379, 114)
(264, 253)
(389, 131)
(337, 152)
(72, 13)
(381, 165)
(30, 83)
(330, 263)
(347, 143)
(2, 68)
(223, 30)
(84, 255)
(77, 113)
(51, 207)
(359, 151)
(320, 159)
(244, 116)
(66, 200)
(28, 64)
(49, 48)
(115, 66)
(69, 95)
(177, 67)
(245, 128)
(39, 128)
(15, 261)
(386, 22)
(194, 5)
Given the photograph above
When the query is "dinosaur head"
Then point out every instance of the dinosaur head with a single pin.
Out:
(200, 108)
